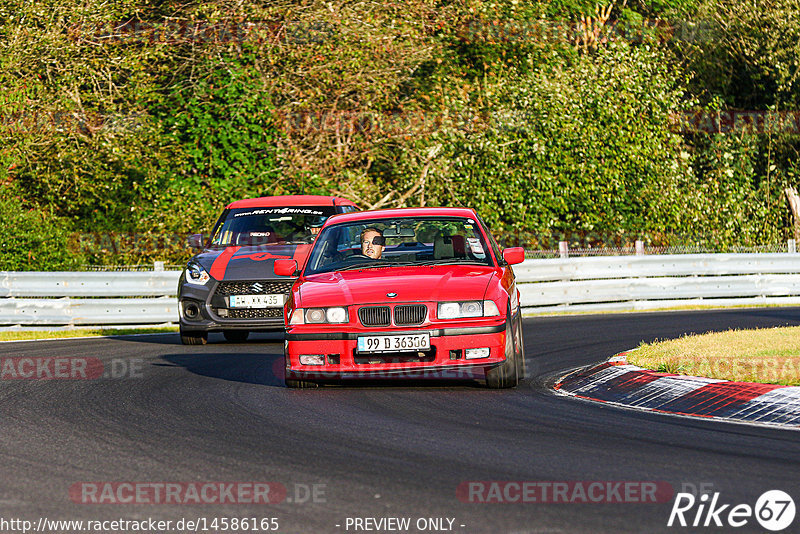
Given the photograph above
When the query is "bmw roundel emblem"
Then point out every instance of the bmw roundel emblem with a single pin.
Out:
(391, 295)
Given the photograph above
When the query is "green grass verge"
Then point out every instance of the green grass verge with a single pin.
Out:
(23, 335)
(770, 355)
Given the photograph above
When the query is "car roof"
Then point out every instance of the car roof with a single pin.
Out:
(400, 212)
(289, 201)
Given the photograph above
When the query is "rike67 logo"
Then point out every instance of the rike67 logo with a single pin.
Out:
(774, 511)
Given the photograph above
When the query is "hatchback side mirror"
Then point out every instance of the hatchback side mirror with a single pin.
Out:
(514, 255)
(195, 241)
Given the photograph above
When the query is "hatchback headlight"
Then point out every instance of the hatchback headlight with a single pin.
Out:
(196, 275)
(335, 315)
(470, 308)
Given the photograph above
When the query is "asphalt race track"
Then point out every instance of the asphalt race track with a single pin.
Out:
(220, 412)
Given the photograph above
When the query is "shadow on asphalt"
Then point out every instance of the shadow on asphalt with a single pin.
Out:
(214, 338)
(263, 368)
(267, 368)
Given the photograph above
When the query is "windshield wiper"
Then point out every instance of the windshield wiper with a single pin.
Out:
(427, 263)
(451, 261)
(364, 265)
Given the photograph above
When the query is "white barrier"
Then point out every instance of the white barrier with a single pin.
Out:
(89, 284)
(572, 284)
(650, 282)
(152, 298)
(88, 311)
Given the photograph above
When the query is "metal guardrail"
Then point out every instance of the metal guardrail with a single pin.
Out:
(88, 298)
(546, 285)
(651, 282)
(88, 311)
(89, 284)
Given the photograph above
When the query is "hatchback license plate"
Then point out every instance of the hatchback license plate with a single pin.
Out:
(255, 301)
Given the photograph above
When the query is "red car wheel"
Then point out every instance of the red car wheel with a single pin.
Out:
(505, 374)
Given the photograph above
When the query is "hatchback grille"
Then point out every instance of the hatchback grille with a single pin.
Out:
(409, 314)
(253, 313)
(254, 287)
(374, 315)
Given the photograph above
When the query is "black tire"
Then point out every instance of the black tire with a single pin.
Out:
(505, 375)
(194, 337)
(300, 384)
(522, 371)
(236, 336)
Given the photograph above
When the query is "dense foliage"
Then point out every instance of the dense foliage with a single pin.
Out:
(126, 124)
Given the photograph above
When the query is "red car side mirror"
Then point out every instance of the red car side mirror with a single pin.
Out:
(514, 255)
(285, 267)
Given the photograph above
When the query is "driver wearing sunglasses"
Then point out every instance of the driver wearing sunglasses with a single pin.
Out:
(372, 243)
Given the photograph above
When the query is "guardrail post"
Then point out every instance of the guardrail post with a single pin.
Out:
(791, 246)
(563, 249)
(639, 247)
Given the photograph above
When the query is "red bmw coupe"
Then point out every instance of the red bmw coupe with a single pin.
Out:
(404, 292)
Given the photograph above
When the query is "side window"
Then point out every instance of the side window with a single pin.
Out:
(492, 243)
(348, 209)
(217, 226)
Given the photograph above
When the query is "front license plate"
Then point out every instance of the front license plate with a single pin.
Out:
(404, 343)
(255, 301)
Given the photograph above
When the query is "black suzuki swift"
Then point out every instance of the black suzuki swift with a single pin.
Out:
(230, 285)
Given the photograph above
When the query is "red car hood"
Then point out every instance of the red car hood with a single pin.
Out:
(412, 284)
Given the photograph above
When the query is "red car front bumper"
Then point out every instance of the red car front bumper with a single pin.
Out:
(445, 359)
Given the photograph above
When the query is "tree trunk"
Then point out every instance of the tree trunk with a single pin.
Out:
(794, 205)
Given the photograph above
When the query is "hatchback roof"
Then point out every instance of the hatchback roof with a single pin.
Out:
(290, 201)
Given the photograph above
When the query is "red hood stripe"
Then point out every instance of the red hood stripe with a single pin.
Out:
(221, 263)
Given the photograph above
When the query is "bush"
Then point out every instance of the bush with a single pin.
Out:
(548, 134)
(32, 240)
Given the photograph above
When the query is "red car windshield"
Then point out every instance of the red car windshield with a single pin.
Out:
(265, 226)
(401, 242)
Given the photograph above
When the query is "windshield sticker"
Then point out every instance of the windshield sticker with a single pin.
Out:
(270, 211)
(260, 234)
(475, 246)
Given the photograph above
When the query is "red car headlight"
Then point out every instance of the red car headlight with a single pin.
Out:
(334, 315)
(470, 308)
